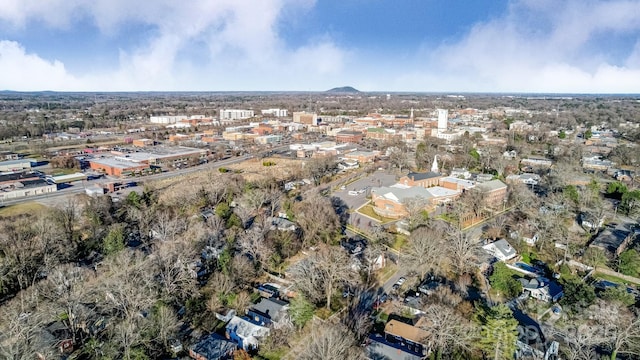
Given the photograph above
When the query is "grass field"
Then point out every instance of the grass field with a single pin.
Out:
(615, 279)
(21, 209)
(368, 211)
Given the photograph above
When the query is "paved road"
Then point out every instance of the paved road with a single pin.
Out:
(79, 187)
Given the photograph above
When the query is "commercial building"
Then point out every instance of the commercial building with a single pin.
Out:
(268, 139)
(362, 156)
(275, 112)
(167, 119)
(234, 114)
(349, 136)
(116, 167)
(303, 117)
(143, 142)
(18, 185)
(15, 165)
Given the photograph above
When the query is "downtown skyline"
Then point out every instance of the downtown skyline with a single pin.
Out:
(302, 45)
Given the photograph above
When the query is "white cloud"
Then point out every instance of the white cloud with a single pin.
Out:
(538, 46)
(238, 40)
(20, 70)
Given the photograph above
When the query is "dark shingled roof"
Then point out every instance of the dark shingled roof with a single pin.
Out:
(416, 176)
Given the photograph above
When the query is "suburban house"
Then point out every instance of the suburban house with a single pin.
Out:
(225, 314)
(460, 173)
(408, 337)
(282, 224)
(389, 201)
(268, 311)
(424, 180)
(213, 347)
(500, 249)
(495, 192)
(379, 348)
(245, 333)
(541, 289)
(528, 236)
(526, 178)
(612, 241)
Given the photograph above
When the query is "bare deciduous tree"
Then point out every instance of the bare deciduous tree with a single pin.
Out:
(447, 330)
(318, 275)
(423, 252)
(317, 219)
(330, 342)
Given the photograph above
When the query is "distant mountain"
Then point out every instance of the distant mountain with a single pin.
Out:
(344, 90)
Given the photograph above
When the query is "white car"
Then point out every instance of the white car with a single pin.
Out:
(401, 281)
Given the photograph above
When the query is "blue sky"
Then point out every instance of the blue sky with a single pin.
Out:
(577, 46)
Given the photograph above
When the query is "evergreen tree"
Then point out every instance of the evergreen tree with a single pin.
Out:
(499, 332)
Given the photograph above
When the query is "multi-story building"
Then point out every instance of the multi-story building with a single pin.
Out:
(495, 192)
(306, 118)
(275, 112)
(234, 114)
(347, 136)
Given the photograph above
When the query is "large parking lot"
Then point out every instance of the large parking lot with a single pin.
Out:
(363, 186)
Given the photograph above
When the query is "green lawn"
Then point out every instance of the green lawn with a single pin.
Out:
(62, 171)
(21, 209)
(368, 211)
(615, 279)
(399, 242)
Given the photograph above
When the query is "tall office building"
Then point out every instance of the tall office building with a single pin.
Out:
(443, 118)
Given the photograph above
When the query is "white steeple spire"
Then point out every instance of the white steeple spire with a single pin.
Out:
(434, 166)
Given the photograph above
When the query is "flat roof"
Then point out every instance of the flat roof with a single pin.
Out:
(15, 162)
(438, 191)
(116, 163)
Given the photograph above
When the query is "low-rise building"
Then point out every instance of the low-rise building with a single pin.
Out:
(526, 178)
(245, 333)
(15, 165)
(362, 156)
(116, 167)
(495, 192)
(424, 180)
(410, 337)
(389, 201)
(541, 289)
(268, 311)
(500, 249)
(349, 136)
(213, 347)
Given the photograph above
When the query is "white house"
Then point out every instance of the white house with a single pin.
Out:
(541, 289)
(501, 250)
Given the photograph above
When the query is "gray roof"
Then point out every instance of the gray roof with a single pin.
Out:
(380, 349)
(417, 176)
(400, 194)
(270, 307)
(16, 162)
(214, 347)
(491, 185)
(610, 240)
(504, 247)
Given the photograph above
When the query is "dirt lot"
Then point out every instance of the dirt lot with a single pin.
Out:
(253, 169)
